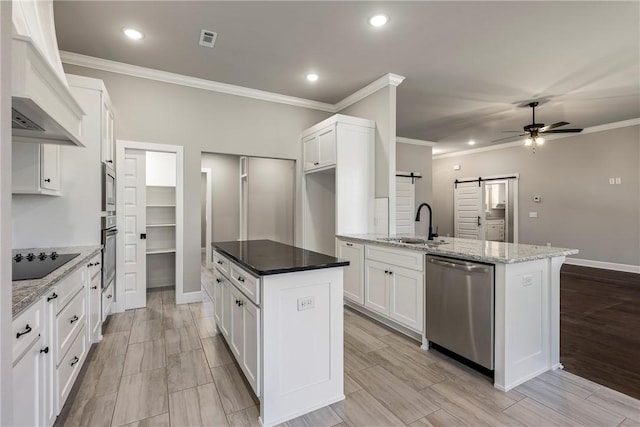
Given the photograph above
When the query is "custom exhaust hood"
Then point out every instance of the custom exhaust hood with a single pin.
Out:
(43, 109)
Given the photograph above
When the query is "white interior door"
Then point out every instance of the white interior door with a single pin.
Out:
(135, 244)
(468, 201)
(405, 205)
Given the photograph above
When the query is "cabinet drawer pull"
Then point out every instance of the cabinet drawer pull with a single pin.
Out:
(349, 244)
(218, 281)
(316, 163)
(390, 272)
(240, 303)
(97, 263)
(73, 319)
(90, 264)
(109, 296)
(45, 350)
(386, 272)
(241, 279)
(74, 360)
(53, 296)
(26, 331)
(47, 180)
(94, 287)
(220, 262)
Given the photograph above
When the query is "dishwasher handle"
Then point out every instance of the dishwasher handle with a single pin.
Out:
(472, 268)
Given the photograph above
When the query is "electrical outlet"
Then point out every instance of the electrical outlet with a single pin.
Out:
(612, 181)
(306, 303)
(618, 180)
(533, 214)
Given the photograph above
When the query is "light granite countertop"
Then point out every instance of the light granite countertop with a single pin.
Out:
(473, 250)
(27, 292)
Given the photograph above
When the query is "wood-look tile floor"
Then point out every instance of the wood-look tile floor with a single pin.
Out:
(165, 366)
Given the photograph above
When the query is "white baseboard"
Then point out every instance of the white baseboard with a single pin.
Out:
(189, 297)
(628, 268)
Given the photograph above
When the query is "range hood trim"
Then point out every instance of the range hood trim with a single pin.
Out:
(39, 93)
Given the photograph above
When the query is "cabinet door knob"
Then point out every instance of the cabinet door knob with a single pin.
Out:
(386, 272)
(90, 264)
(73, 319)
(94, 287)
(26, 331)
(53, 296)
(218, 281)
(74, 360)
(316, 163)
(349, 244)
(47, 180)
(45, 350)
(240, 279)
(240, 303)
(109, 296)
(97, 263)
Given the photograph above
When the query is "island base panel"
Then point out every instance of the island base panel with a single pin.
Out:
(302, 330)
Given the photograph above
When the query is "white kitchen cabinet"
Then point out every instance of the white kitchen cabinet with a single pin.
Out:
(98, 123)
(95, 309)
(407, 297)
(29, 368)
(494, 230)
(338, 183)
(353, 273)
(107, 301)
(320, 149)
(377, 286)
(394, 283)
(238, 317)
(29, 380)
(36, 169)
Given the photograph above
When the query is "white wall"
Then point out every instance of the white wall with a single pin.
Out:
(5, 215)
(161, 169)
(417, 158)
(381, 107)
(579, 208)
(201, 121)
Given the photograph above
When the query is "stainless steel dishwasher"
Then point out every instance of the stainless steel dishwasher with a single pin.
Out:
(460, 308)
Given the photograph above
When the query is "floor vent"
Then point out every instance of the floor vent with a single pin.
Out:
(208, 38)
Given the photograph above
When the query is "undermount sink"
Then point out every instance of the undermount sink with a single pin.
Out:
(413, 241)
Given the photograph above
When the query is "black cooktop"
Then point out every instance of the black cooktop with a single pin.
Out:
(31, 266)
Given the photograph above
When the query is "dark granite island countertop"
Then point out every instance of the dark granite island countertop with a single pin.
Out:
(266, 257)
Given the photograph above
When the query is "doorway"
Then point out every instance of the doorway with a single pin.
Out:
(486, 208)
(149, 211)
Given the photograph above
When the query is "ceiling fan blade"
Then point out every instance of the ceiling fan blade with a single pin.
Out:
(509, 137)
(555, 125)
(563, 131)
(508, 131)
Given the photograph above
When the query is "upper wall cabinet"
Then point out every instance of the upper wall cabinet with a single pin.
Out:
(35, 169)
(43, 108)
(320, 149)
(98, 124)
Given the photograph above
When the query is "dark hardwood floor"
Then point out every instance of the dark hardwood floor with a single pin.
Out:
(600, 326)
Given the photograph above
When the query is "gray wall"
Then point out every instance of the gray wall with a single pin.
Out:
(203, 210)
(579, 208)
(199, 120)
(417, 158)
(225, 195)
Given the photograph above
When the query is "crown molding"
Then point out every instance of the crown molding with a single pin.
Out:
(551, 137)
(384, 81)
(86, 61)
(403, 140)
(195, 82)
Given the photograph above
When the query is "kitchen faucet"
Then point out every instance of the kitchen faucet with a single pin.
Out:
(431, 234)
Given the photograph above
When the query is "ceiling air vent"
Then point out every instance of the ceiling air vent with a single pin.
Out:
(208, 38)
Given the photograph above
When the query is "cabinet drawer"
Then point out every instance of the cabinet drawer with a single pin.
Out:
(68, 322)
(408, 259)
(95, 266)
(107, 301)
(26, 328)
(221, 263)
(248, 284)
(68, 288)
(71, 364)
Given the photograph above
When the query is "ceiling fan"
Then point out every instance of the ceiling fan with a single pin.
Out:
(534, 129)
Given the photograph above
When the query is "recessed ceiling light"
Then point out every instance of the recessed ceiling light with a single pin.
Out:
(312, 77)
(132, 33)
(378, 20)
(472, 142)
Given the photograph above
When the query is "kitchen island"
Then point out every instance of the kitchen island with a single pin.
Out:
(279, 309)
(387, 281)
